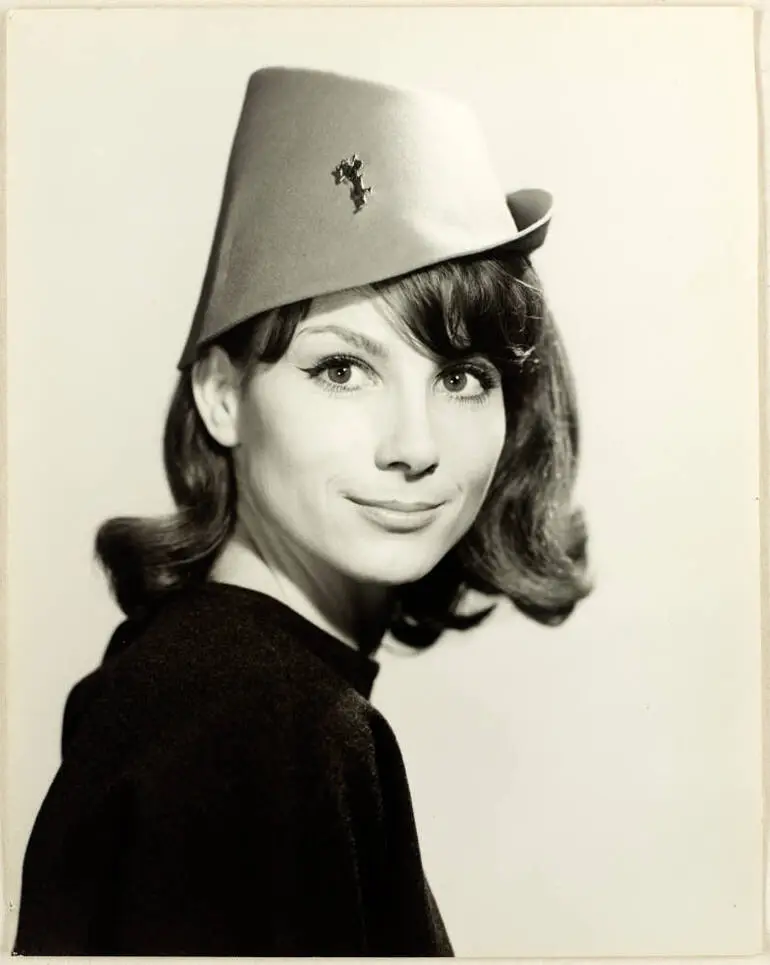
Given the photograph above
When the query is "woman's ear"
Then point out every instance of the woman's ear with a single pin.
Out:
(216, 389)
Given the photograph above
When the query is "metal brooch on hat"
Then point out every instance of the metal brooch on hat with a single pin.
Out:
(350, 171)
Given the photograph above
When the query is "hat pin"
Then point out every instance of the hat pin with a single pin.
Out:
(350, 171)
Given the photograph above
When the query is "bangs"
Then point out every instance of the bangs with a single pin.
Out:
(489, 306)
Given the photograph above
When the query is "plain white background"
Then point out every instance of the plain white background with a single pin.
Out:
(586, 791)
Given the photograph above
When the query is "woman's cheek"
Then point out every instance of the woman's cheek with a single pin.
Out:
(474, 445)
(335, 426)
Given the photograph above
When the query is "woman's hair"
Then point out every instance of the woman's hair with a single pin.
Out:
(528, 542)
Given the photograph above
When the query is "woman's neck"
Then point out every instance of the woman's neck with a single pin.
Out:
(358, 614)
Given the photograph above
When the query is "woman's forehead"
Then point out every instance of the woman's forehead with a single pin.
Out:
(364, 312)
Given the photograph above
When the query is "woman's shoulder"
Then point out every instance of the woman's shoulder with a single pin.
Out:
(227, 666)
(221, 638)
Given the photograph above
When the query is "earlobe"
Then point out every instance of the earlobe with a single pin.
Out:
(215, 390)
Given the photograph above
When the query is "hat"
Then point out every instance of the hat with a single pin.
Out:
(336, 182)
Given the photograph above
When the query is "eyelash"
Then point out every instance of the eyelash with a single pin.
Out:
(486, 378)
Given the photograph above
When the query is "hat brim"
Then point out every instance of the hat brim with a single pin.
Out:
(531, 210)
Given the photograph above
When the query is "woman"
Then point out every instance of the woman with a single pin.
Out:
(374, 417)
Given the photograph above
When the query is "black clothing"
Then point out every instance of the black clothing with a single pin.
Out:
(226, 788)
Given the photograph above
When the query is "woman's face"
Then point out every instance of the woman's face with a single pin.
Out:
(361, 450)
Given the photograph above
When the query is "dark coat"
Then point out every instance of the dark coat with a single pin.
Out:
(226, 788)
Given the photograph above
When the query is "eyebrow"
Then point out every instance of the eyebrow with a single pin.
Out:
(355, 339)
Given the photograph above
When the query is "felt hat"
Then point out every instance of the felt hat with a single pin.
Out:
(335, 182)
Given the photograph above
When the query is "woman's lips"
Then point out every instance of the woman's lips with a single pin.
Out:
(398, 516)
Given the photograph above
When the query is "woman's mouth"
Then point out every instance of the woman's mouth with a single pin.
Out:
(397, 515)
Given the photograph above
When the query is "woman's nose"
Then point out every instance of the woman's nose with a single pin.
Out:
(407, 439)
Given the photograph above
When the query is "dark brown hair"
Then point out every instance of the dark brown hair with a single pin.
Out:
(528, 542)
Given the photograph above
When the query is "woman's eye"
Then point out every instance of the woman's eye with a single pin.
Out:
(339, 373)
(456, 381)
(469, 382)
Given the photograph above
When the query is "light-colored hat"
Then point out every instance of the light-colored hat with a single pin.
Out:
(336, 182)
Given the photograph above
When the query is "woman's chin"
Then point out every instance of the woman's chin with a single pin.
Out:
(393, 568)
